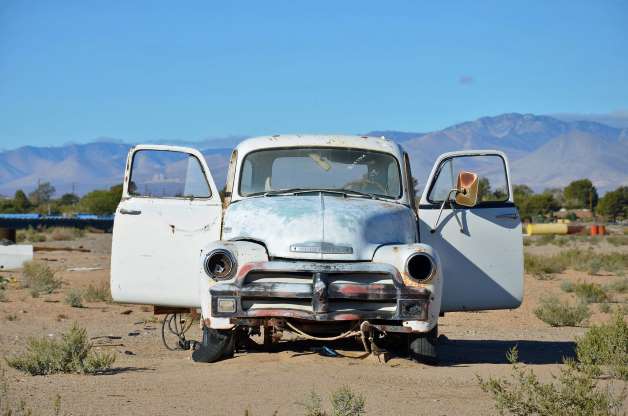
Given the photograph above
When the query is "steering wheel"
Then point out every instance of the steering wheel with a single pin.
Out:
(360, 185)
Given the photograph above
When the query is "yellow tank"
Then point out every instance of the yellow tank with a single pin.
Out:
(540, 229)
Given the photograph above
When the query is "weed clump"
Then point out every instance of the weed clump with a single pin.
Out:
(586, 292)
(39, 278)
(604, 348)
(344, 402)
(554, 312)
(72, 354)
(74, 298)
(573, 392)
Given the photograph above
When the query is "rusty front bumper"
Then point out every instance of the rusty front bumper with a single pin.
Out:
(320, 291)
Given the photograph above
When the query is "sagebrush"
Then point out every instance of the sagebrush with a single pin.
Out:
(344, 402)
(555, 312)
(39, 278)
(74, 298)
(605, 348)
(73, 353)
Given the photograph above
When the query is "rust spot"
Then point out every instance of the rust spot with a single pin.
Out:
(409, 282)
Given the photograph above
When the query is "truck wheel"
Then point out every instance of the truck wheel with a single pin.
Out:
(423, 348)
(216, 344)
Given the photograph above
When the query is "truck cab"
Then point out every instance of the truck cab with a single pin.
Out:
(321, 236)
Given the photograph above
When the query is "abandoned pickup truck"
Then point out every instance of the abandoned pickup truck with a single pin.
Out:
(319, 236)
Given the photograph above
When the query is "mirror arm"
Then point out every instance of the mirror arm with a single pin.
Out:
(440, 212)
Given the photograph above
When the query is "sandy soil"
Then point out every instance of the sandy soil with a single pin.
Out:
(148, 379)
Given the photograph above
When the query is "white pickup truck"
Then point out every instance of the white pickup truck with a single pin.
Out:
(321, 236)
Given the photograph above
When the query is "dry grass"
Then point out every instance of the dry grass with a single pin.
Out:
(618, 240)
(100, 293)
(30, 235)
(576, 259)
(65, 233)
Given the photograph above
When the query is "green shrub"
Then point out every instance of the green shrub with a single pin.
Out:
(605, 347)
(97, 294)
(74, 298)
(573, 392)
(554, 312)
(39, 278)
(71, 354)
(344, 402)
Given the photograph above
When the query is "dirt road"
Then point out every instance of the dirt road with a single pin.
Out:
(148, 379)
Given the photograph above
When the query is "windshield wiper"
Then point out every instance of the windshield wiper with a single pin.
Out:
(286, 191)
(296, 191)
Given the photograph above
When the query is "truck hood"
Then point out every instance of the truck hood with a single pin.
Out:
(320, 227)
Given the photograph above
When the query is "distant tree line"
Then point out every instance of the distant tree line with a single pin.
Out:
(579, 194)
(99, 202)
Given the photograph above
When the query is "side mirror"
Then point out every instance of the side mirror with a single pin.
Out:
(467, 189)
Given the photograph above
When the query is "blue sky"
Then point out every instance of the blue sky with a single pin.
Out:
(142, 71)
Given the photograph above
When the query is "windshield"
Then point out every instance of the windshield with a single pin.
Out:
(319, 168)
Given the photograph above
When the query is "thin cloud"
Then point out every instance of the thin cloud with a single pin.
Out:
(466, 80)
(617, 118)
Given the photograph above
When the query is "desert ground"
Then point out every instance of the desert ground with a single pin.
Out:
(148, 379)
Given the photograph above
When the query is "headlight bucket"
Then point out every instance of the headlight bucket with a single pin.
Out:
(420, 267)
(220, 264)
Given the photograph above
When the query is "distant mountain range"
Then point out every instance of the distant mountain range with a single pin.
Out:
(544, 152)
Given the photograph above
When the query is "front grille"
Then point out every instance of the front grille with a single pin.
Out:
(322, 291)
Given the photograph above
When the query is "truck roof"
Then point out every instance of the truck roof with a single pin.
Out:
(381, 144)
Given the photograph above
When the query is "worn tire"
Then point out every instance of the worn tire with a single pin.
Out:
(216, 344)
(423, 347)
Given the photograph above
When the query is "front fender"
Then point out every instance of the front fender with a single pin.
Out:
(397, 256)
(244, 252)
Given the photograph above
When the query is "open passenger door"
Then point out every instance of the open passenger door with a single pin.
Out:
(480, 246)
(170, 209)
